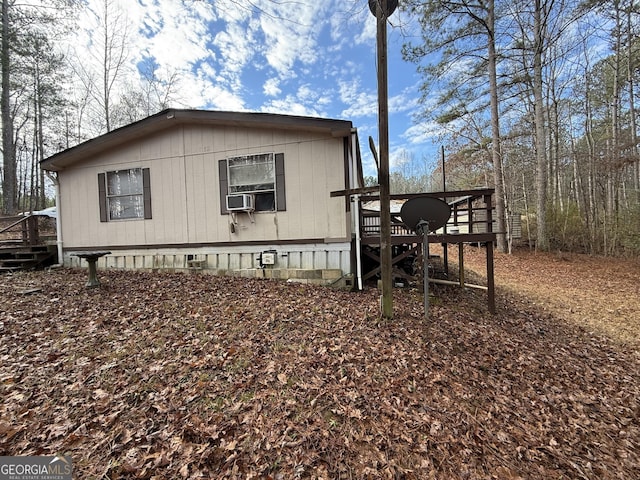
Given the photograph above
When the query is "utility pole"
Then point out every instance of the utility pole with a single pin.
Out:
(382, 9)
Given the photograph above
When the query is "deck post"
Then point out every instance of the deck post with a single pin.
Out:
(461, 263)
(491, 300)
(32, 227)
(489, 246)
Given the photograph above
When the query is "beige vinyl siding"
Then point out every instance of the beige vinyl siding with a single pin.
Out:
(169, 222)
(183, 165)
(200, 199)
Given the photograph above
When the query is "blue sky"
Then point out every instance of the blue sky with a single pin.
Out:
(300, 57)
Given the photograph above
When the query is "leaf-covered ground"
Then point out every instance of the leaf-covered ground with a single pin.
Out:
(602, 294)
(190, 376)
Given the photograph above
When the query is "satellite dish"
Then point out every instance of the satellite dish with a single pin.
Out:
(426, 209)
(391, 6)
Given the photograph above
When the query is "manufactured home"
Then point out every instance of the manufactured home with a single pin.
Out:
(251, 194)
(225, 192)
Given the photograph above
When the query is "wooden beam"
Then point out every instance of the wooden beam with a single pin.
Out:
(354, 191)
(452, 238)
(450, 194)
(394, 260)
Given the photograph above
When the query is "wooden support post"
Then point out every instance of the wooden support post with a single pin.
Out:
(489, 207)
(445, 246)
(32, 226)
(383, 175)
(491, 300)
(445, 258)
(489, 246)
(423, 228)
(461, 263)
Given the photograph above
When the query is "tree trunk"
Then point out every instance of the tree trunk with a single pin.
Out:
(632, 111)
(542, 240)
(496, 154)
(9, 179)
(614, 164)
(40, 193)
(105, 69)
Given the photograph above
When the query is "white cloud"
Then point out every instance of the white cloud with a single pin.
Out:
(368, 34)
(291, 106)
(303, 57)
(180, 35)
(236, 47)
(307, 94)
(423, 132)
(271, 87)
(217, 98)
(405, 101)
(291, 39)
(360, 103)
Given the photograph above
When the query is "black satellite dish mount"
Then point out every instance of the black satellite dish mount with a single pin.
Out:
(424, 215)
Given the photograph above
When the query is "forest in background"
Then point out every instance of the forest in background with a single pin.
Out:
(535, 99)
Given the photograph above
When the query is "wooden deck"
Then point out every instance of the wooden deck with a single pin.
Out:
(25, 244)
(471, 222)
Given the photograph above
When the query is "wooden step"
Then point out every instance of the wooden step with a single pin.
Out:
(23, 248)
(24, 257)
(10, 243)
(18, 261)
(9, 269)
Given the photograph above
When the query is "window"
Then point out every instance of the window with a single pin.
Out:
(254, 174)
(261, 175)
(124, 194)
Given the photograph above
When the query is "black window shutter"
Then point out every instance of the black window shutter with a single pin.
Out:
(281, 197)
(224, 186)
(102, 196)
(146, 190)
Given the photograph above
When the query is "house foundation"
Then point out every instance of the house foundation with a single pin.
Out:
(320, 264)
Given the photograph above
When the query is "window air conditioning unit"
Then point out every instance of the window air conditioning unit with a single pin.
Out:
(242, 202)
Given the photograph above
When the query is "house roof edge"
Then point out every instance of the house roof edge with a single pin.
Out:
(172, 117)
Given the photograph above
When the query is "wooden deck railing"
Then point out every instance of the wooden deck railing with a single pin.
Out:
(471, 213)
(20, 229)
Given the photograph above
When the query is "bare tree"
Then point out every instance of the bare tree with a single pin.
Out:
(23, 25)
(9, 179)
(475, 20)
(101, 72)
(539, 44)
